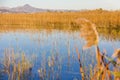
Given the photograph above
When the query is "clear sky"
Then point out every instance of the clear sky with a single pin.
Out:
(65, 4)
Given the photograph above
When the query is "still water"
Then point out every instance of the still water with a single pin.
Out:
(59, 44)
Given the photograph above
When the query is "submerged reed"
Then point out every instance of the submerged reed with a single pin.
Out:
(15, 68)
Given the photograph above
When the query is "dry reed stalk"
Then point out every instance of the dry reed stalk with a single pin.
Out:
(116, 72)
(81, 68)
(116, 54)
(15, 68)
(90, 34)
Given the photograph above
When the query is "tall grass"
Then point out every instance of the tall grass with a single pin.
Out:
(101, 70)
(16, 68)
(20, 69)
(57, 19)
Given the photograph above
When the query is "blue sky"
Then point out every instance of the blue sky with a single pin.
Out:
(65, 4)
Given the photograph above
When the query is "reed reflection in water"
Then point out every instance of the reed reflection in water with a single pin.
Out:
(50, 53)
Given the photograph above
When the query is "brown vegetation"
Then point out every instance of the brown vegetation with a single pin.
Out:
(56, 19)
(102, 69)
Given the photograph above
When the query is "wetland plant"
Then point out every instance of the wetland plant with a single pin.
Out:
(102, 69)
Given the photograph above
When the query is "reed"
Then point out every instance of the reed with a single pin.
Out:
(20, 69)
(101, 71)
(101, 18)
(14, 68)
(81, 67)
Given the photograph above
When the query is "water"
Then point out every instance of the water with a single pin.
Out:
(60, 44)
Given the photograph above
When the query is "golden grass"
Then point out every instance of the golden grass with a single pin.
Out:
(88, 32)
(14, 68)
(65, 19)
(102, 71)
(81, 67)
(57, 19)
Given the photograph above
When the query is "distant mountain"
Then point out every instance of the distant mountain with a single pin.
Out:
(4, 7)
(28, 9)
(21, 9)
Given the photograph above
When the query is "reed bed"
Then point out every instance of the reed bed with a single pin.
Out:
(15, 67)
(101, 18)
(20, 68)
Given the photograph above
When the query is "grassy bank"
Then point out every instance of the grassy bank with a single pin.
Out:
(57, 19)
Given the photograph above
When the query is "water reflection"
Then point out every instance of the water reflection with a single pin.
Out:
(54, 51)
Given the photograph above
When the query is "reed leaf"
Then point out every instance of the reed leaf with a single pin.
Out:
(116, 54)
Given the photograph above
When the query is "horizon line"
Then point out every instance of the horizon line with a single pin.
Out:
(60, 8)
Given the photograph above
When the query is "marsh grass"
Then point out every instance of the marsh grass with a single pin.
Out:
(15, 67)
(101, 71)
(59, 20)
(20, 68)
